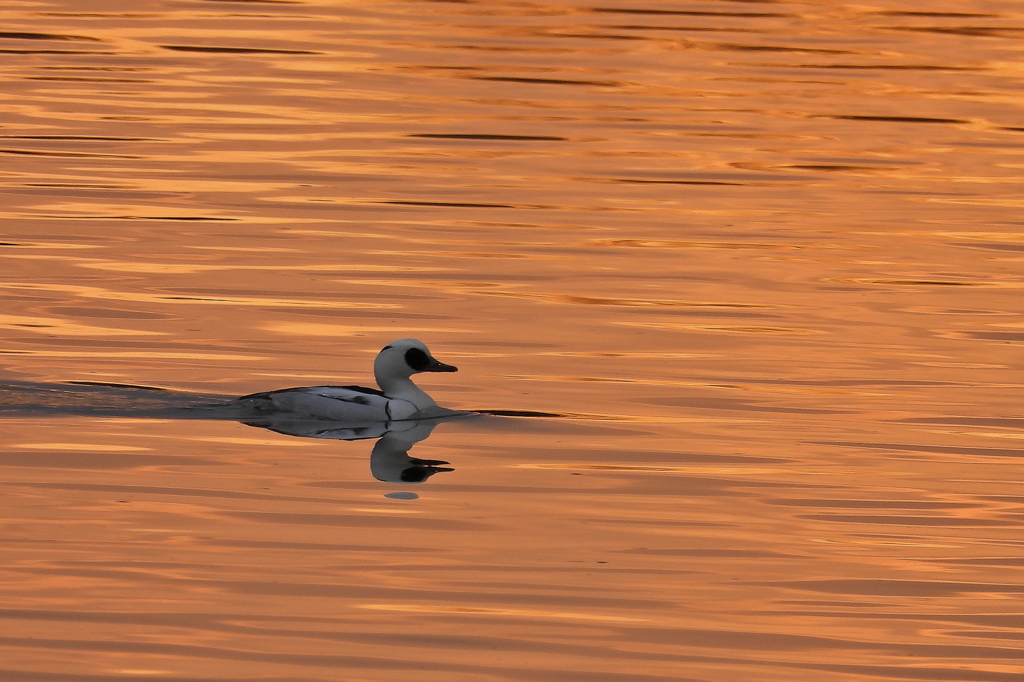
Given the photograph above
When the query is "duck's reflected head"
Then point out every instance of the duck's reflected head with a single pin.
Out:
(394, 467)
(421, 470)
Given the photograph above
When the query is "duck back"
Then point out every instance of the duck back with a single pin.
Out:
(336, 403)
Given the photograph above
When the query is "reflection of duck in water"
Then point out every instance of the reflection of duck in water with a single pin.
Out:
(390, 461)
(398, 398)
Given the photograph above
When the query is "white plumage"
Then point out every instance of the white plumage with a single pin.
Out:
(398, 398)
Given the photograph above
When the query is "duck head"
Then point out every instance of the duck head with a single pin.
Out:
(397, 362)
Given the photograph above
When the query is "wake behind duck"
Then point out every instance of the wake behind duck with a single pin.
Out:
(398, 398)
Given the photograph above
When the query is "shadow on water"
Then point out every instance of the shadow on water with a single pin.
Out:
(389, 460)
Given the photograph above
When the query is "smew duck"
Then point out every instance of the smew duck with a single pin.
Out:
(398, 398)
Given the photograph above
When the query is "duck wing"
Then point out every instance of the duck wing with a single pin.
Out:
(338, 392)
(336, 403)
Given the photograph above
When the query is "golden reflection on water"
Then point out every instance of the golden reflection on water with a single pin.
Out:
(52, 325)
(415, 608)
(752, 268)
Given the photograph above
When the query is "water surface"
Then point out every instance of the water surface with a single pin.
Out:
(761, 260)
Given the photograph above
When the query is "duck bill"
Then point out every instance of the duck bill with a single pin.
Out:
(436, 366)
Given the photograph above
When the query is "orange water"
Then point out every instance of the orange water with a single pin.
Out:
(765, 257)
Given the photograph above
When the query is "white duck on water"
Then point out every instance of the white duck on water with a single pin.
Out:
(398, 398)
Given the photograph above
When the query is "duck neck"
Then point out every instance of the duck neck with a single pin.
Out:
(402, 388)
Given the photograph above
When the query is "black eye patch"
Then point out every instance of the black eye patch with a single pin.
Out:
(417, 359)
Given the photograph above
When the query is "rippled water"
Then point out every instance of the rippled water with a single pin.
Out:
(761, 260)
